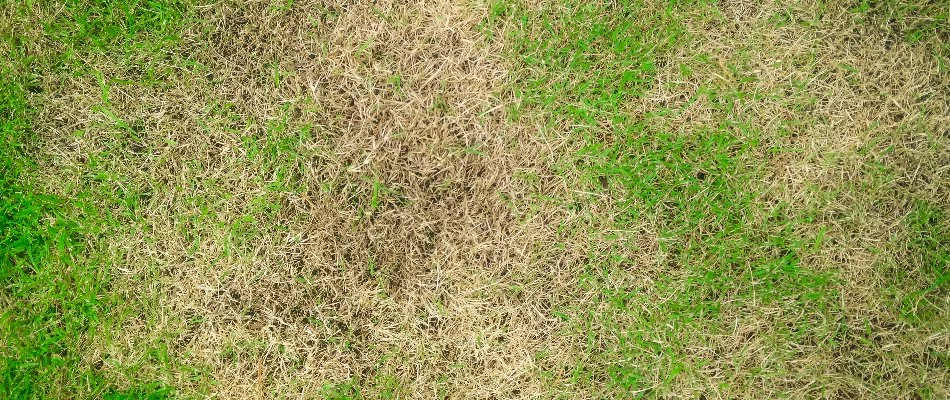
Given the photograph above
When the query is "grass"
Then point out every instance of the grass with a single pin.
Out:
(694, 185)
(556, 199)
(55, 279)
(59, 301)
(927, 243)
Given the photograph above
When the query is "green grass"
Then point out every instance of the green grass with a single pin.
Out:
(582, 60)
(56, 294)
(57, 302)
(927, 244)
(727, 246)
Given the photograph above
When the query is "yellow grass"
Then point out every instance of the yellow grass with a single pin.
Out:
(337, 193)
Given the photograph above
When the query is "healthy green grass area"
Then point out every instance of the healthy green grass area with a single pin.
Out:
(57, 301)
(731, 249)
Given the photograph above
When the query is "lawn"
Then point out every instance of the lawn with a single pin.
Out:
(558, 199)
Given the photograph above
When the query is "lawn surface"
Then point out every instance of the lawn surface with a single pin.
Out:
(304, 199)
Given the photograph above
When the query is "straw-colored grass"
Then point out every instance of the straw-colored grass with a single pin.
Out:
(443, 199)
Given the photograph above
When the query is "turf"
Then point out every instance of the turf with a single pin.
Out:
(501, 199)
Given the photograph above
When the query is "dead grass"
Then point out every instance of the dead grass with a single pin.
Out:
(385, 252)
(332, 197)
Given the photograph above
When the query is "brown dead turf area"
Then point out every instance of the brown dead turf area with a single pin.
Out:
(337, 193)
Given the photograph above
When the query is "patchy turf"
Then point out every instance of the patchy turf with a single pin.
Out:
(439, 199)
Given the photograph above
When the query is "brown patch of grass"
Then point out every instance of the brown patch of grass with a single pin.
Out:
(333, 194)
(327, 196)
